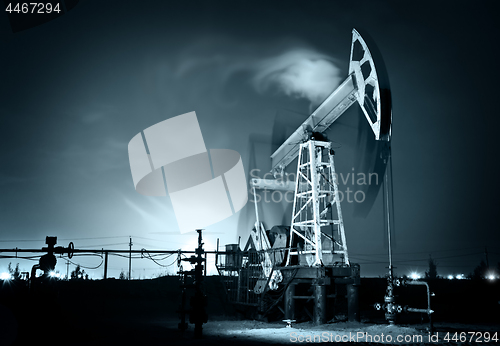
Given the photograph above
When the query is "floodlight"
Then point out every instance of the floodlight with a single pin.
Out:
(414, 276)
(5, 276)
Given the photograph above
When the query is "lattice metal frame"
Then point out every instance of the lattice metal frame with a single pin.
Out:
(316, 205)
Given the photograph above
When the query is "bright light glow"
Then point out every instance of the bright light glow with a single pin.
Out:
(460, 276)
(491, 277)
(52, 274)
(5, 276)
(450, 277)
(414, 276)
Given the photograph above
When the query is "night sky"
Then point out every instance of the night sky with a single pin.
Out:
(75, 90)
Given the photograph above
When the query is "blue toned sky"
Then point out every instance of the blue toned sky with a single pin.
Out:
(75, 90)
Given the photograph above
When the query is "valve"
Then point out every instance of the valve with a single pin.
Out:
(50, 249)
(403, 281)
(69, 250)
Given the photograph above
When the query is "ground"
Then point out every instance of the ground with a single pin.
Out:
(160, 331)
(144, 312)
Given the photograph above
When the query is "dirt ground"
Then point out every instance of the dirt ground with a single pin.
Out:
(277, 333)
(144, 313)
(222, 332)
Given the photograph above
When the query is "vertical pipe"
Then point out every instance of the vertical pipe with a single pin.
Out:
(217, 254)
(388, 206)
(182, 309)
(390, 315)
(105, 264)
(130, 259)
(247, 279)
(238, 288)
(290, 302)
(387, 215)
(431, 326)
(319, 313)
(353, 302)
(429, 313)
(428, 310)
(205, 272)
(257, 221)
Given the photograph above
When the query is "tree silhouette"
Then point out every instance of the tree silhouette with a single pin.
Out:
(122, 275)
(77, 273)
(431, 273)
(480, 271)
(15, 273)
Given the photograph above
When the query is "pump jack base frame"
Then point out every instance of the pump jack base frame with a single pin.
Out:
(325, 284)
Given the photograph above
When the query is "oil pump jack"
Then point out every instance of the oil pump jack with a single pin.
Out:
(315, 244)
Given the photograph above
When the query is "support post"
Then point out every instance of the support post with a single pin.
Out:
(353, 302)
(290, 302)
(130, 259)
(105, 265)
(319, 304)
(205, 267)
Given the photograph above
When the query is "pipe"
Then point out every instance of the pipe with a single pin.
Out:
(105, 264)
(114, 251)
(388, 215)
(427, 311)
(217, 253)
(33, 276)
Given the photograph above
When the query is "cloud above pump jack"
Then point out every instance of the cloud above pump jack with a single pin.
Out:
(289, 68)
(205, 187)
(299, 73)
